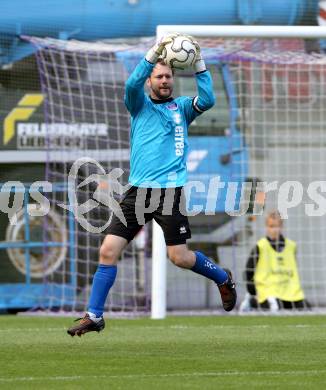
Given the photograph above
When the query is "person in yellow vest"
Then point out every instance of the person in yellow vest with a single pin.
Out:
(271, 273)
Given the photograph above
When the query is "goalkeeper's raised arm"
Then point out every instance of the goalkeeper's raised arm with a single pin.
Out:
(205, 98)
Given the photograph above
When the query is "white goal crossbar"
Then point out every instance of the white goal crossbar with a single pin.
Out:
(304, 32)
(159, 262)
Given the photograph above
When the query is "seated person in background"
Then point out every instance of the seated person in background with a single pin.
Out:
(271, 272)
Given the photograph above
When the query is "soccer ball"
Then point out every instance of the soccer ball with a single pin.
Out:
(180, 53)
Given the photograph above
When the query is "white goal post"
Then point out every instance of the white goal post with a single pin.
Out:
(233, 31)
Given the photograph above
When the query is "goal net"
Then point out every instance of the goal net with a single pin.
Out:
(268, 125)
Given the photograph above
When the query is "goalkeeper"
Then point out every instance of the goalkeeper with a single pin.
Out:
(159, 126)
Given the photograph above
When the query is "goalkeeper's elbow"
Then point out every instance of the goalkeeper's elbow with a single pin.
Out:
(131, 83)
(201, 104)
(208, 102)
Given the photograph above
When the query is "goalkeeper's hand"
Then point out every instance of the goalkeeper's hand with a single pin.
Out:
(154, 52)
(199, 65)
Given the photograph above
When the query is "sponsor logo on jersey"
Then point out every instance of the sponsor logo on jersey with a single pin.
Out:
(179, 139)
(177, 118)
(172, 106)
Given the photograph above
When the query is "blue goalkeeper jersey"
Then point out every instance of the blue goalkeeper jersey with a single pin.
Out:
(159, 129)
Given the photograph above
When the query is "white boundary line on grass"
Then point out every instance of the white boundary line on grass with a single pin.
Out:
(181, 313)
(176, 327)
(175, 375)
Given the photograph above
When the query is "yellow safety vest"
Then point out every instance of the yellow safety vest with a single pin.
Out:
(276, 273)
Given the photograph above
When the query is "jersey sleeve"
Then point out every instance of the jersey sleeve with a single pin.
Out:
(134, 91)
(205, 98)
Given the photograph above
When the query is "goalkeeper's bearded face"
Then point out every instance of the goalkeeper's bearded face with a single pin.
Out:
(160, 82)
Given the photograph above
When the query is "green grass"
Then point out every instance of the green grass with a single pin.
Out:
(177, 353)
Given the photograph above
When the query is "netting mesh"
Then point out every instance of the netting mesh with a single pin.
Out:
(85, 116)
(267, 125)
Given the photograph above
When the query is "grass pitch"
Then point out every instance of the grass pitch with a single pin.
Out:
(176, 353)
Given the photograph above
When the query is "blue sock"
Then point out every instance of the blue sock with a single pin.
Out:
(103, 280)
(210, 270)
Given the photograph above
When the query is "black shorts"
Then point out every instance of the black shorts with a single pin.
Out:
(164, 209)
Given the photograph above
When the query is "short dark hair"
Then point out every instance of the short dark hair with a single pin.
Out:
(162, 62)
